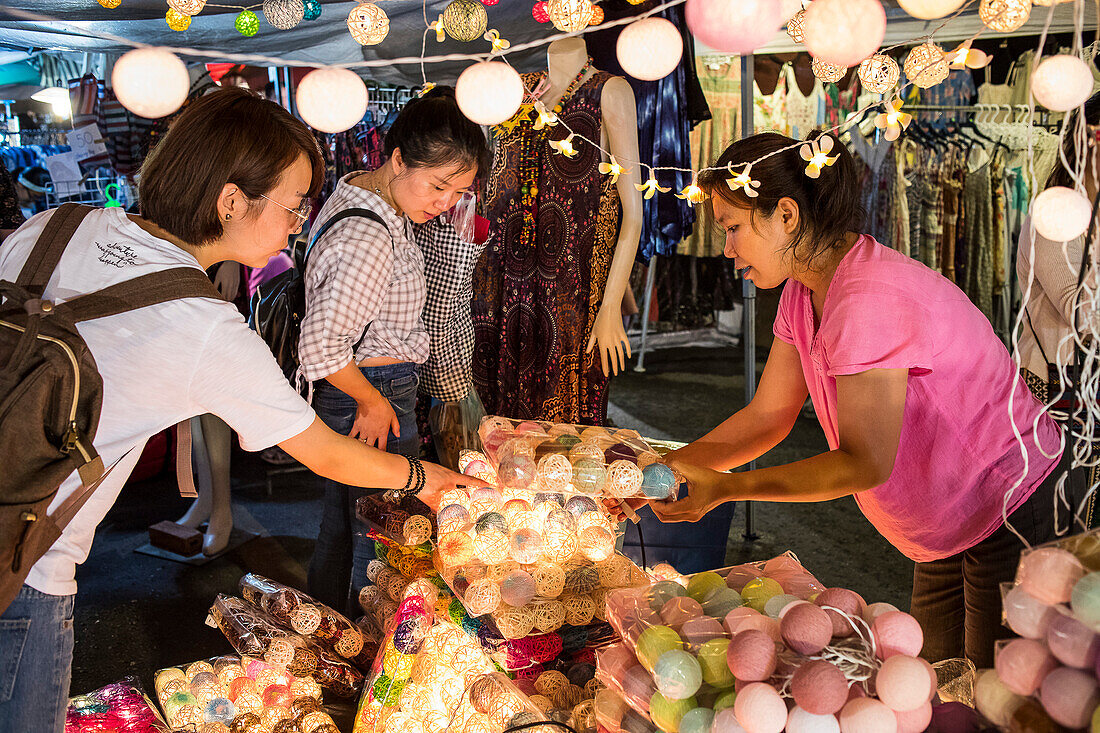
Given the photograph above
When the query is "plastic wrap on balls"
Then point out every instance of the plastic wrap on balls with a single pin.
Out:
(254, 633)
(409, 523)
(226, 690)
(122, 707)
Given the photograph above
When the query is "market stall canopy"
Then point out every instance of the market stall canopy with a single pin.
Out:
(81, 24)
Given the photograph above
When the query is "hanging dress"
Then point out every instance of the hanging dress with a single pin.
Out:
(540, 283)
(804, 111)
(770, 113)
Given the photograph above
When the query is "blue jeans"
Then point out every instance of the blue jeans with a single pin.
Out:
(36, 658)
(338, 570)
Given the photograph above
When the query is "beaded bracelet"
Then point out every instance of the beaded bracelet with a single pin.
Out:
(413, 484)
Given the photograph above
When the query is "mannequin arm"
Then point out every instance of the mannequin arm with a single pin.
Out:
(620, 118)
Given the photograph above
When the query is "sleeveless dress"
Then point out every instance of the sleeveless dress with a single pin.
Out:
(540, 283)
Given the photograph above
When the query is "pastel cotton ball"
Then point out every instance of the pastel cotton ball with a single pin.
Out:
(845, 600)
(1022, 664)
(666, 713)
(638, 683)
(751, 656)
(1049, 574)
(896, 632)
(697, 720)
(760, 709)
(742, 618)
(721, 601)
(678, 610)
(701, 585)
(1027, 615)
(712, 660)
(1085, 600)
(914, 721)
(1070, 696)
(517, 588)
(725, 721)
(903, 683)
(801, 721)
(806, 628)
(1071, 642)
(759, 591)
(698, 631)
(775, 605)
(994, 700)
(677, 674)
(819, 687)
(874, 610)
(739, 575)
(867, 715)
(655, 641)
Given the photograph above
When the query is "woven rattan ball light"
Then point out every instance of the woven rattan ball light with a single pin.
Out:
(368, 24)
(569, 15)
(926, 65)
(284, 14)
(879, 73)
(465, 20)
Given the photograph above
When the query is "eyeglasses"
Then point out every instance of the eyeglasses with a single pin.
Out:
(302, 211)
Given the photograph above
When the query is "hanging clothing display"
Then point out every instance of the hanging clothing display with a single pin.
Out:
(770, 110)
(804, 112)
(839, 103)
(540, 283)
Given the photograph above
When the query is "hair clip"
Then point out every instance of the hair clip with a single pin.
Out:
(816, 154)
(744, 181)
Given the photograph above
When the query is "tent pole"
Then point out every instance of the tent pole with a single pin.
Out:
(748, 289)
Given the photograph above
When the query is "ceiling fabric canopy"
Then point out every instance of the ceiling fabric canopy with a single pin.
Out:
(327, 41)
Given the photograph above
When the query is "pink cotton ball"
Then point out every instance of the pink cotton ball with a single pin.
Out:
(739, 575)
(1049, 574)
(1022, 664)
(679, 610)
(751, 656)
(1027, 615)
(806, 628)
(819, 688)
(781, 563)
(914, 721)
(614, 660)
(638, 684)
(867, 715)
(801, 721)
(902, 683)
(845, 600)
(760, 709)
(896, 632)
(517, 588)
(1070, 696)
(1071, 642)
(855, 692)
(725, 721)
(933, 680)
(698, 631)
(874, 610)
(743, 618)
(800, 584)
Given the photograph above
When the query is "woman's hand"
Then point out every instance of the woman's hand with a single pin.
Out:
(706, 490)
(439, 480)
(374, 420)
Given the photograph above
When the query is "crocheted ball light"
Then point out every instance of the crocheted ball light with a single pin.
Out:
(368, 24)
(734, 26)
(597, 15)
(929, 9)
(333, 100)
(844, 32)
(110, 4)
(465, 20)
(827, 72)
(312, 9)
(246, 23)
(879, 73)
(649, 49)
(150, 82)
(177, 21)
(569, 15)
(187, 7)
(926, 65)
(1061, 82)
(1004, 15)
(284, 14)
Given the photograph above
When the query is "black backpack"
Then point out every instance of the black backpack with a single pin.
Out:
(278, 306)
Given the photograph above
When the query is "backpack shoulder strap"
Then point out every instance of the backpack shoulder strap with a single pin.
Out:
(146, 290)
(346, 214)
(50, 246)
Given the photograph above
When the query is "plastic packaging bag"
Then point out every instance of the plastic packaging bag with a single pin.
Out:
(454, 427)
(121, 706)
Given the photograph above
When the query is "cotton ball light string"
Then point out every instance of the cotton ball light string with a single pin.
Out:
(867, 715)
(844, 32)
(1061, 82)
(896, 632)
(733, 26)
(903, 683)
(658, 481)
(677, 674)
(803, 721)
(650, 48)
(752, 656)
(489, 92)
(1071, 642)
(284, 14)
(369, 25)
(1049, 573)
(332, 100)
(667, 713)
(1022, 664)
(760, 709)
(1070, 696)
(1059, 214)
(150, 82)
(1004, 16)
(806, 629)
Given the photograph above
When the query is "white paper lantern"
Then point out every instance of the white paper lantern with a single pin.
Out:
(1061, 214)
(1061, 82)
(369, 24)
(150, 82)
(649, 49)
(734, 26)
(1004, 15)
(284, 14)
(489, 92)
(187, 7)
(926, 65)
(929, 9)
(331, 100)
(844, 32)
(569, 15)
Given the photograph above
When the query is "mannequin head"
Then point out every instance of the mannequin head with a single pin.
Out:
(434, 155)
(795, 222)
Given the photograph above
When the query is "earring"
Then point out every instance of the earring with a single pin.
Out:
(227, 217)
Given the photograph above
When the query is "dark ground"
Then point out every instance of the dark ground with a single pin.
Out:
(136, 614)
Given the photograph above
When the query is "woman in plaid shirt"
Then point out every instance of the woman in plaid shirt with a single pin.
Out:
(363, 336)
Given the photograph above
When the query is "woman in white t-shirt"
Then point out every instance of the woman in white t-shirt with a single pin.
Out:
(231, 180)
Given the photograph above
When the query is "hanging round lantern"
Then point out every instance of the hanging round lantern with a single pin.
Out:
(177, 21)
(284, 14)
(465, 20)
(569, 15)
(187, 7)
(312, 9)
(150, 82)
(1004, 15)
(331, 99)
(734, 26)
(489, 3)
(844, 32)
(368, 24)
(110, 4)
(929, 9)
(879, 73)
(489, 92)
(1061, 214)
(597, 15)
(796, 27)
(1061, 82)
(827, 72)
(539, 12)
(247, 23)
(926, 65)
(650, 48)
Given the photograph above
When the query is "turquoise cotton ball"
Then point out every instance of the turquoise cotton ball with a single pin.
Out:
(720, 601)
(696, 720)
(677, 674)
(658, 481)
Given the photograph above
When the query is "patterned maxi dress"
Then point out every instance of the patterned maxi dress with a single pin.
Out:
(554, 222)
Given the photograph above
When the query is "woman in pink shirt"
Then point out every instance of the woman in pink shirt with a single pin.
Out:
(910, 384)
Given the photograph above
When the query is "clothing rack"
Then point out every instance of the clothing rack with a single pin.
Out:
(33, 136)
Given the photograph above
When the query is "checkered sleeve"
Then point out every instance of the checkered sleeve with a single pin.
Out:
(347, 278)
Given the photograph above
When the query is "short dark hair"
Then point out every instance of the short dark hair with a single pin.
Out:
(228, 136)
(431, 132)
(1060, 176)
(829, 206)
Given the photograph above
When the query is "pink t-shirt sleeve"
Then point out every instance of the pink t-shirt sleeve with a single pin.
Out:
(782, 327)
(876, 330)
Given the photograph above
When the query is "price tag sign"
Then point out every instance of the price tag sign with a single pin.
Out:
(87, 142)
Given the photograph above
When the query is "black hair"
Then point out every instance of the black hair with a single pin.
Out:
(829, 206)
(1060, 176)
(431, 132)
